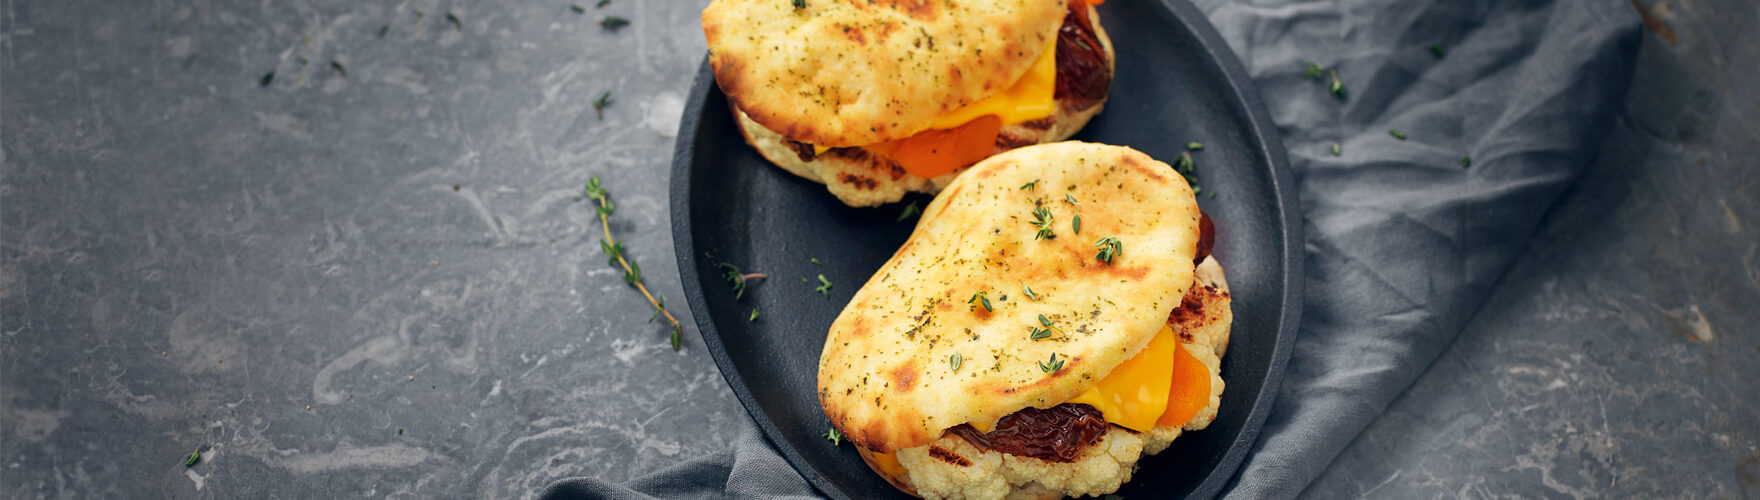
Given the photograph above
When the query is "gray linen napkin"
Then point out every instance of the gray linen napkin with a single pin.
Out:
(1404, 238)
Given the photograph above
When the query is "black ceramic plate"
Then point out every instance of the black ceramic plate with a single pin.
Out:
(1176, 82)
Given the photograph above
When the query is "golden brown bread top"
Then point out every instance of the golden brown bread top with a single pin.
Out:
(856, 72)
(885, 377)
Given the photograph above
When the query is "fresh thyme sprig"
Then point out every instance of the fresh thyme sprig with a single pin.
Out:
(1042, 218)
(982, 300)
(737, 279)
(1030, 185)
(632, 274)
(832, 435)
(909, 211)
(1109, 247)
(1051, 365)
(1075, 224)
(1029, 292)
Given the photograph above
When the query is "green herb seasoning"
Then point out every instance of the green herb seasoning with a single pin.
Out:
(1040, 333)
(1109, 247)
(400, 431)
(613, 23)
(1466, 161)
(1337, 87)
(754, 316)
(1071, 199)
(1335, 149)
(1075, 224)
(1042, 218)
(194, 458)
(824, 287)
(1397, 134)
(600, 104)
(1194, 146)
(1029, 292)
(954, 360)
(383, 30)
(815, 261)
(909, 211)
(602, 4)
(982, 300)
(632, 274)
(577, 9)
(737, 279)
(1436, 49)
(340, 70)
(268, 78)
(1030, 185)
(1315, 71)
(1051, 365)
(831, 434)
(800, 4)
(457, 24)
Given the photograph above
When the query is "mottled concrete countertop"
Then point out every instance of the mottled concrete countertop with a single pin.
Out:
(374, 274)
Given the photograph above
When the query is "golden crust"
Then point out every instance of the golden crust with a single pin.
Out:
(860, 179)
(848, 73)
(884, 376)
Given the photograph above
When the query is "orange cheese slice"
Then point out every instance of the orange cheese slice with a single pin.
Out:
(1135, 394)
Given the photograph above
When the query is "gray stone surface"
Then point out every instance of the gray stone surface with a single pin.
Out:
(189, 259)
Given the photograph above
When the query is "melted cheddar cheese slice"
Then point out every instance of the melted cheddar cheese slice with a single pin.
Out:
(1032, 97)
(1134, 395)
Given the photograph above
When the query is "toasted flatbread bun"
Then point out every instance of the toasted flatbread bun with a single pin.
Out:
(861, 179)
(841, 73)
(885, 377)
(950, 467)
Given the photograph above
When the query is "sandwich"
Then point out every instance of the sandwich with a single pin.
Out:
(876, 99)
(1054, 317)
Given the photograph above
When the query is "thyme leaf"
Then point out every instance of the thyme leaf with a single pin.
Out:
(600, 104)
(1109, 247)
(909, 211)
(1051, 365)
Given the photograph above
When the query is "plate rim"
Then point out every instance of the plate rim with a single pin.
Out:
(1270, 147)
